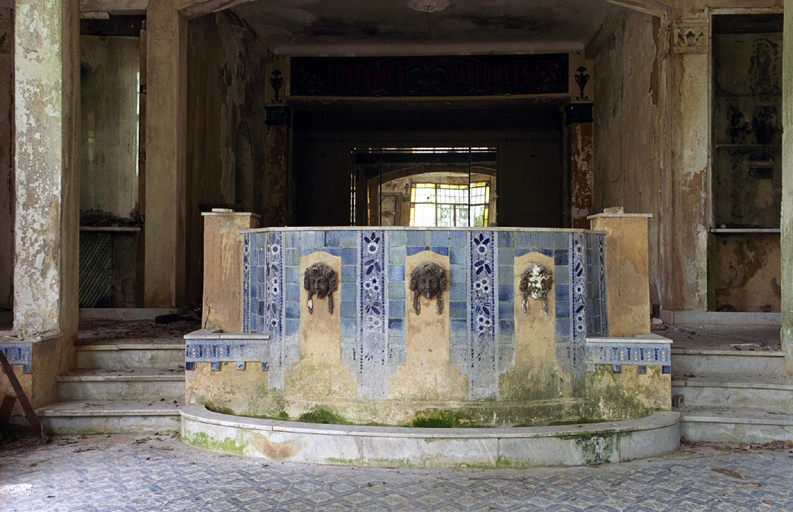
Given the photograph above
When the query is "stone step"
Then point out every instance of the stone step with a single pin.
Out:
(734, 425)
(725, 390)
(111, 417)
(704, 362)
(126, 384)
(130, 355)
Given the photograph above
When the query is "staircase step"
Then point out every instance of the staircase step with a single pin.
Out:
(735, 362)
(111, 417)
(734, 425)
(124, 384)
(751, 392)
(130, 355)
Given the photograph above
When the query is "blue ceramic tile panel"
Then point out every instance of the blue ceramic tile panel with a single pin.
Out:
(396, 273)
(349, 292)
(348, 309)
(443, 251)
(307, 251)
(189, 366)
(666, 370)
(348, 328)
(397, 239)
(348, 273)
(506, 292)
(372, 316)
(348, 238)
(578, 309)
(506, 309)
(246, 283)
(561, 276)
(604, 320)
(458, 309)
(292, 326)
(292, 292)
(481, 363)
(545, 240)
(415, 250)
(506, 256)
(292, 257)
(560, 257)
(506, 327)
(458, 328)
(505, 276)
(396, 255)
(415, 238)
(396, 291)
(561, 240)
(562, 309)
(332, 238)
(333, 251)
(292, 309)
(523, 240)
(397, 308)
(616, 368)
(504, 239)
(319, 238)
(458, 256)
(522, 251)
(292, 275)
(439, 238)
(349, 256)
(396, 324)
(458, 239)
(458, 274)
(458, 292)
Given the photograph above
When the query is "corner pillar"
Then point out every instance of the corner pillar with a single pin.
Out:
(580, 148)
(47, 187)
(786, 222)
(276, 166)
(686, 208)
(165, 203)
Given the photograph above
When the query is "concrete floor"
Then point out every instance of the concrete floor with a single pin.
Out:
(160, 473)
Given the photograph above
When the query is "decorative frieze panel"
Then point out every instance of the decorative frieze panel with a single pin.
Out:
(646, 351)
(215, 348)
(690, 36)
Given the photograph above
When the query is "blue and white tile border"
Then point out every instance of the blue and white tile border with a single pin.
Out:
(19, 353)
(207, 346)
(372, 346)
(642, 350)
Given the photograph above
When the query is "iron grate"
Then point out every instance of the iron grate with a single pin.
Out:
(96, 270)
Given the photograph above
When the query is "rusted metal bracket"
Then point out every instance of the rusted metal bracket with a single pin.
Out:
(8, 401)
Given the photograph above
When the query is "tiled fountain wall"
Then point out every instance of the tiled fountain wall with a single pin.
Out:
(372, 298)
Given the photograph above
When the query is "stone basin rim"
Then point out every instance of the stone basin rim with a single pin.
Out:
(657, 420)
(406, 228)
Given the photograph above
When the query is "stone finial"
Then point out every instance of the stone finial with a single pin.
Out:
(320, 280)
(428, 280)
(535, 282)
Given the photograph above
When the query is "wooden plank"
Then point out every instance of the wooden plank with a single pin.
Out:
(38, 428)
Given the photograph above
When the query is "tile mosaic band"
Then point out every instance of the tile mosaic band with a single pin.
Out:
(19, 353)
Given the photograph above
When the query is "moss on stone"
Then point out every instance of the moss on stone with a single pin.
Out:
(202, 440)
(323, 416)
(437, 418)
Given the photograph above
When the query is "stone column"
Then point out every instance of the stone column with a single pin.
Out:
(580, 142)
(165, 214)
(223, 268)
(47, 114)
(787, 189)
(627, 271)
(276, 167)
(686, 208)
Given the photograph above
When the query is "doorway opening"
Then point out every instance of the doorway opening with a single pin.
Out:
(447, 186)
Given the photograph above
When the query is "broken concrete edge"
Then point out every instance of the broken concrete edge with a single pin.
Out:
(719, 318)
(569, 445)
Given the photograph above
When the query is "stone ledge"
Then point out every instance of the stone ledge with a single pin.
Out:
(568, 445)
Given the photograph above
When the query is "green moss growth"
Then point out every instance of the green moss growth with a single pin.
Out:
(323, 416)
(201, 440)
(577, 421)
(218, 408)
(437, 418)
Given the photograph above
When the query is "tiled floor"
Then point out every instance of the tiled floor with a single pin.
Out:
(160, 473)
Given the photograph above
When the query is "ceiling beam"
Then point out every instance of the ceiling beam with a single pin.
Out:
(91, 8)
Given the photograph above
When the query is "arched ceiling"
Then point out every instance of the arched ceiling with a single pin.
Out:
(288, 25)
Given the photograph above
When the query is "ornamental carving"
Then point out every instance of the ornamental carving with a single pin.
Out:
(320, 280)
(535, 282)
(428, 280)
(690, 36)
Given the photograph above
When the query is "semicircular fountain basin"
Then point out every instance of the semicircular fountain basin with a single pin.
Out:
(425, 327)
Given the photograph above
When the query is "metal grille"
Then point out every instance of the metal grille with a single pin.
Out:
(96, 270)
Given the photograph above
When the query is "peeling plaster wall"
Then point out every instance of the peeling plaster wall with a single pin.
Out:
(225, 126)
(6, 154)
(629, 127)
